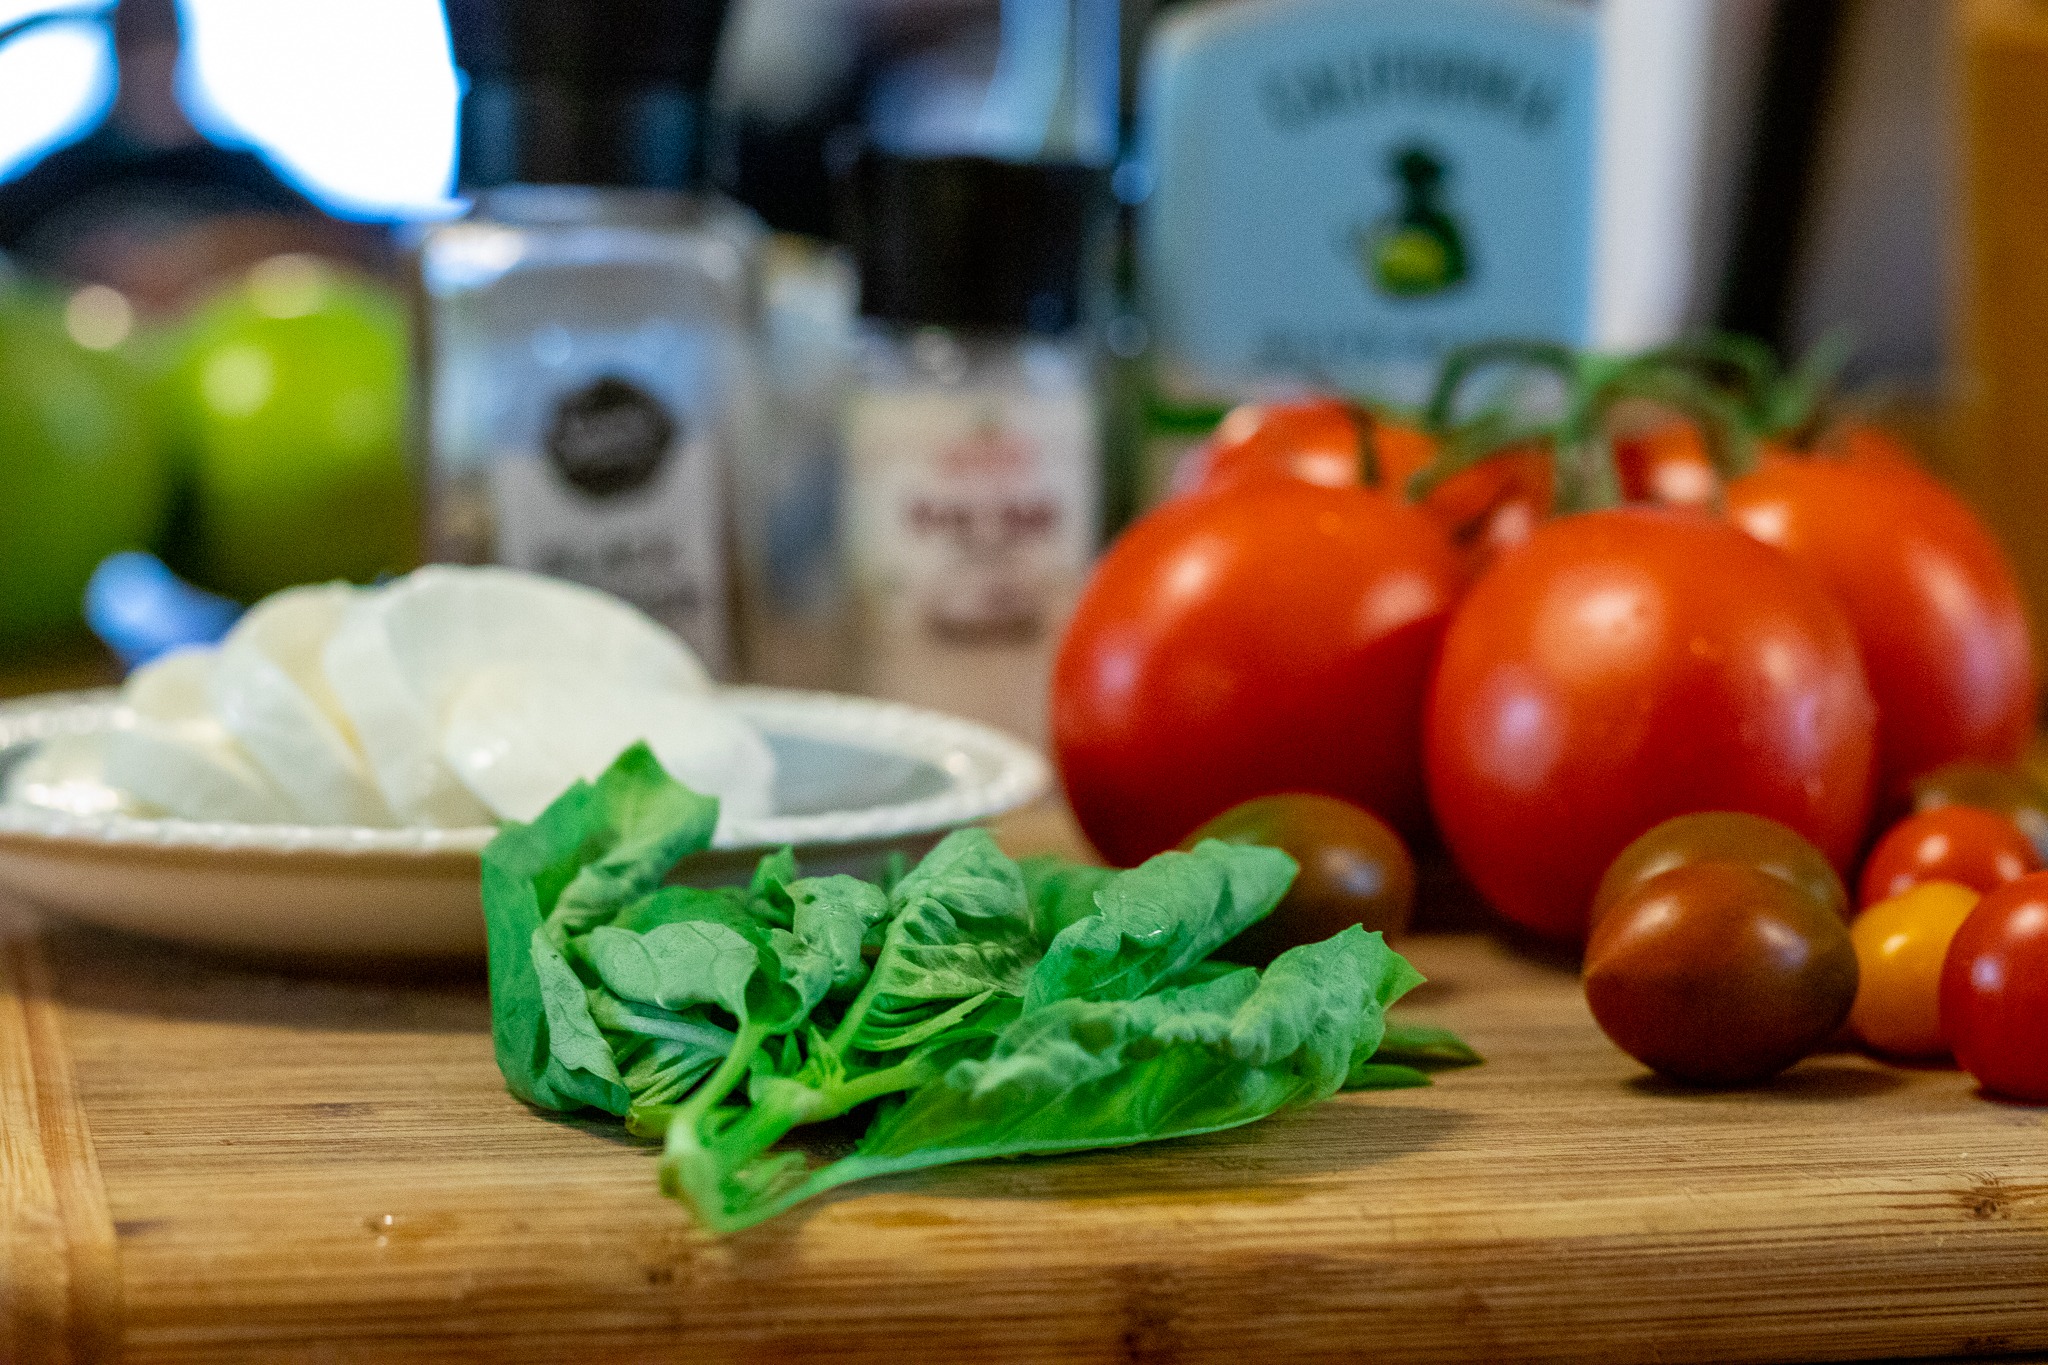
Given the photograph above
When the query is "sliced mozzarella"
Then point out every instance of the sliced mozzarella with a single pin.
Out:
(270, 693)
(174, 756)
(67, 773)
(399, 737)
(519, 735)
(399, 656)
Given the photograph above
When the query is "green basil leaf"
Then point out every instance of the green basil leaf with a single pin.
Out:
(641, 823)
(1385, 1076)
(1078, 1074)
(768, 895)
(1424, 1047)
(595, 849)
(659, 1071)
(725, 905)
(542, 1045)
(580, 1070)
(675, 965)
(960, 927)
(832, 916)
(1158, 920)
(1060, 892)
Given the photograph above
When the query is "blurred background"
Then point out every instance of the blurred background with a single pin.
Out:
(839, 333)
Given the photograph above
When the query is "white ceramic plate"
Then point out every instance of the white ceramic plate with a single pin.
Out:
(856, 781)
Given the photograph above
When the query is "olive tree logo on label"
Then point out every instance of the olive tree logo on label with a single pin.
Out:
(1419, 250)
(609, 437)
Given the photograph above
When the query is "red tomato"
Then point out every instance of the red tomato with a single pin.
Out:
(1667, 465)
(1496, 505)
(1316, 440)
(1627, 666)
(1486, 510)
(1994, 991)
(1960, 844)
(1935, 604)
(1277, 638)
(1933, 599)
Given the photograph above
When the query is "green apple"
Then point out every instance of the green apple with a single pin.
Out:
(82, 467)
(290, 394)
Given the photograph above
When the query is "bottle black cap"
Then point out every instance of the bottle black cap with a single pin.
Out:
(583, 92)
(969, 241)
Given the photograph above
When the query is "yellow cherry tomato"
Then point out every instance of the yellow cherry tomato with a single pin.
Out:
(1900, 944)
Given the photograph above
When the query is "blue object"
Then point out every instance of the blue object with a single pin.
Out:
(143, 611)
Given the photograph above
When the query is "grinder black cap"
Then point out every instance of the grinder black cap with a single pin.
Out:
(583, 92)
(971, 241)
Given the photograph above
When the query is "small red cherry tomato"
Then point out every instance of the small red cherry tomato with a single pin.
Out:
(1962, 844)
(1994, 991)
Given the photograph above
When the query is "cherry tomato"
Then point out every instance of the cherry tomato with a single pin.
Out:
(1724, 836)
(2000, 790)
(1994, 991)
(1949, 844)
(1354, 870)
(1719, 974)
(1900, 944)
(1271, 638)
(1933, 599)
(1624, 667)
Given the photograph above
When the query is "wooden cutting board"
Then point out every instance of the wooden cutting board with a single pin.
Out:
(205, 1163)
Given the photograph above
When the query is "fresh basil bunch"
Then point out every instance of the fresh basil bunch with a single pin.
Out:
(980, 1007)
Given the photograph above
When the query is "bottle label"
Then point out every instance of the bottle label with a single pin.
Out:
(621, 490)
(970, 524)
(1343, 192)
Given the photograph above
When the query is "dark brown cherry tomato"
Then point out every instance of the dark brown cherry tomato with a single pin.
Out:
(1719, 974)
(1989, 787)
(1961, 844)
(1994, 991)
(1724, 836)
(1354, 870)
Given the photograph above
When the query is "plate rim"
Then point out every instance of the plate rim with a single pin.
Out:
(1018, 774)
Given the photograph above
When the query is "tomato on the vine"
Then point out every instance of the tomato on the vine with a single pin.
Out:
(1325, 441)
(1486, 509)
(1961, 844)
(1994, 991)
(1266, 638)
(1932, 596)
(1629, 665)
(1934, 601)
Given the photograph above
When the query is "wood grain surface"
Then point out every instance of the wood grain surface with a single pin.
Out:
(60, 1286)
(308, 1168)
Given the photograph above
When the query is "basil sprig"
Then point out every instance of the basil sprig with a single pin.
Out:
(974, 1008)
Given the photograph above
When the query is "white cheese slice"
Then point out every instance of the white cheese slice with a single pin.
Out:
(519, 734)
(269, 691)
(176, 757)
